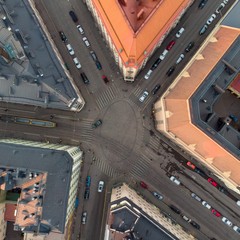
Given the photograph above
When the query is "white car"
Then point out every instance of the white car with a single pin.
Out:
(84, 217)
(205, 204)
(181, 57)
(180, 32)
(236, 229)
(143, 96)
(163, 55)
(210, 20)
(175, 180)
(148, 74)
(225, 1)
(80, 29)
(220, 7)
(70, 49)
(100, 186)
(227, 222)
(77, 63)
(86, 41)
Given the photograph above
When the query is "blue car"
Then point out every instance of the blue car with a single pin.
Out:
(88, 181)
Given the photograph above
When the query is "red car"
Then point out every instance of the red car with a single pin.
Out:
(170, 45)
(191, 165)
(210, 180)
(105, 79)
(216, 213)
(143, 185)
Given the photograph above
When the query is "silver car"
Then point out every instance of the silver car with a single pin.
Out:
(196, 197)
(84, 217)
(143, 96)
(157, 195)
(181, 57)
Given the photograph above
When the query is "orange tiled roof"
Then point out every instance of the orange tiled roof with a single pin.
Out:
(235, 85)
(131, 40)
(177, 106)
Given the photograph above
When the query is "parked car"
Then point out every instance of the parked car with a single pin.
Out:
(202, 4)
(148, 74)
(180, 32)
(200, 172)
(196, 197)
(63, 36)
(143, 96)
(94, 56)
(77, 63)
(86, 42)
(105, 79)
(73, 16)
(97, 123)
(156, 88)
(191, 165)
(175, 180)
(157, 195)
(143, 185)
(100, 186)
(206, 205)
(98, 65)
(203, 29)
(189, 47)
(236, 229)
(70, 49)
(170, 45)
(216, 213)
(194, 224)
(180, 58)
(80, 29)
(220, 7)
(210, 20)
(84, 78)
(87, 193)
(170, 71)
(227, 222)
(175, 209)
(163, 55)
(88, 181)
(156, 63)
(210, 180)
(84, 217)
(225, 1)
(187, 219)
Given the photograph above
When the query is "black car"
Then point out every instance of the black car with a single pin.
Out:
(97, 123)
(170, 71)
(156, 88)
(200, 172)
(194, 224)
(175, 209)
(86, 193)
(84, 78)
(189, 46)
(63, 36)
(73, 16)
(105, 79)
(202, 4)
(156, 63)
(98, 64)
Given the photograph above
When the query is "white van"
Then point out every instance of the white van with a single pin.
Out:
(70, 49)
(163, 55)
(180, 32)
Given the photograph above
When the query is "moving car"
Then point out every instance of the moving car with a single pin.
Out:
(216, 213)
(156, 88)
(85, 40)
(97, 123)
(77, 63)
(84, 78)
(181, 57)
(175, 209)
(100, 186)
(227, 222)
(180, 32)
(170, 71)
(105, 79)
(210, 180)
(202, 4)
(196, 197)
(88, 181)
(194, 224)
(189, 47)
(206, 205)
(175, 180)
(84, 217)
(73, 16)
(80, 29)
(203, 29)
(143, 96)
(63, 36)
(236, 229)
(156, 63)
(157, 195)
(86, 193)
(148, 74)
(170, 45)
(70, 49)
(210, 20)
(191, 165)
(143, 185)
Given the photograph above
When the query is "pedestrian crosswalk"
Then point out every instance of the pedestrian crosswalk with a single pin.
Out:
(105, 167)
(104, 98)
(154, 144)
(85, 130)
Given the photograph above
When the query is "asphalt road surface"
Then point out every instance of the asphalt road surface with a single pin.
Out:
(126, 147)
